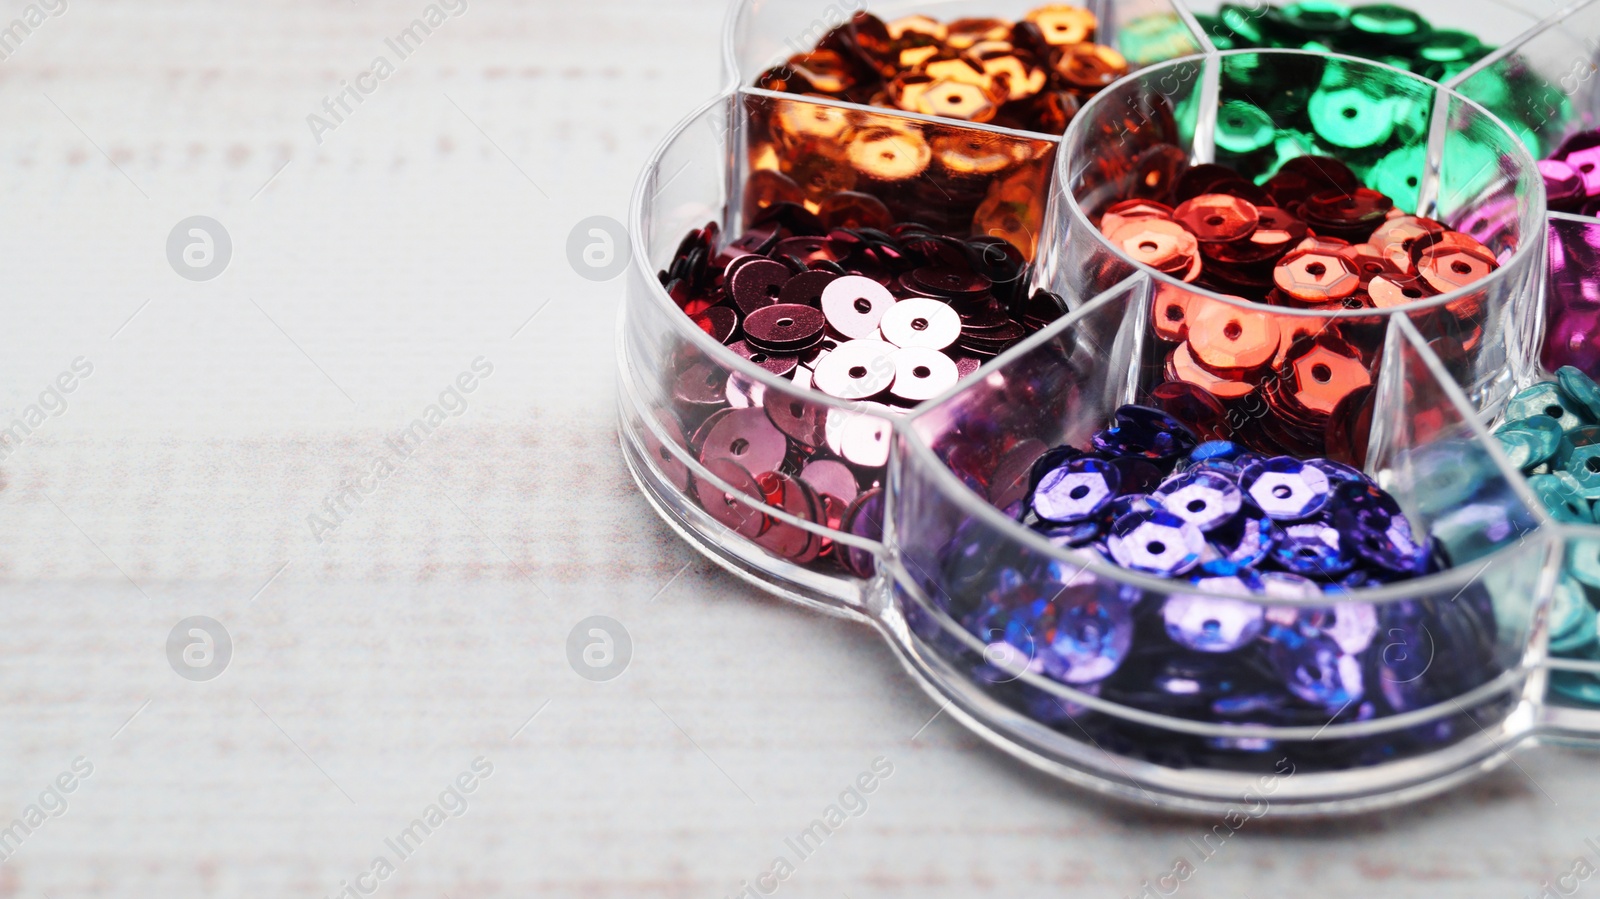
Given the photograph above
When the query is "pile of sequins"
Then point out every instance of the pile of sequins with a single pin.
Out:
(1383, 32)
(1311, 236)
(888, 319)
(1150, 498)
(1572, 175)
(1552, 433)
(858, 314)
(1573, 633)
(1572, 303)
(1031, 75)
(861, 168)
(823, 467)
(1276, 384)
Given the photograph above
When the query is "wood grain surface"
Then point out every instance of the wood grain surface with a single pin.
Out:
(427, 633)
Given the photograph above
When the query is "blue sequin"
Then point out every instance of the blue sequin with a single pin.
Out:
(1314, 669)
(1371, 521)
(1286, 489)
(1156, 543)
(1076, 490)
(1314, 550)
(1240, 545)
(1068, 633)
(1141, 431)
(1212, 624)
(1338, 472)
(1218, 450)
(1204, 499)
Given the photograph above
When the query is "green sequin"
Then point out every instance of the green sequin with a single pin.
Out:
(1317, 16)
(1243, 127)
(1387, 20)
(1393, 35)
(1491, 88)
(1222, 34)
(1243, 22)
(1288, 145)
(1151, 39)
(1451, 47)
(1399, 175)
(1412, 115)
(1471, 166)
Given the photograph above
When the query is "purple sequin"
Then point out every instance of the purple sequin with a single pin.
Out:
(1204, 499)
(1285, 488)
(1156, 543)
(1313, 550)
(1075, 491)
(1573, 296)
(1211, 624)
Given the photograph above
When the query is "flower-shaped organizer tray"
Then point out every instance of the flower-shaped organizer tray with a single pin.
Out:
(884, 557)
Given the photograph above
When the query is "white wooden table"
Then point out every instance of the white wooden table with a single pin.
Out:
(372, 669)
